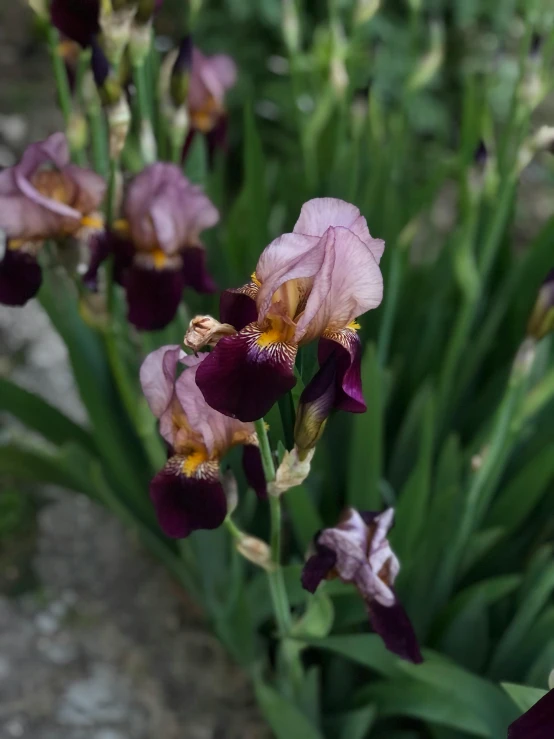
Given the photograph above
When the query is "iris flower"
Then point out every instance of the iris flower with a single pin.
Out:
(537, 723)
(310, 284)
(44, 196)
(358, 552)
(187, 493)
(156, 246)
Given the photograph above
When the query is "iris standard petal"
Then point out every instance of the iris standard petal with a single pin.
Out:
(20, 277)
(195, 271)
(319, 214)
(238, 307)
(247, 373)
(157, 377)
(187, 502)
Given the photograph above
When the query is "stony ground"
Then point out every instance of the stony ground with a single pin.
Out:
(103, 646)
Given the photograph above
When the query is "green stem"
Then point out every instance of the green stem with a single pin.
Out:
(99, 140)
(60, 74)
(277, 587)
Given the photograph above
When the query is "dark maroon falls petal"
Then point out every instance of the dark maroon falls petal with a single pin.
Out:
(396, 630)
(345, 353)
(76, 19)
(187, 503)
(244, 380)
(253, 469)
(20, 277)
(238, 307)
(153, 296)
(537, 723)
(318, 567)
(195, 272)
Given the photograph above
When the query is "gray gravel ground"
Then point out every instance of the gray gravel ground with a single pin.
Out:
(107, 647)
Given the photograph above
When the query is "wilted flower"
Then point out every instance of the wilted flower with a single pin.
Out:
(309, 284)
(44, 196)
(357, 551)
(156, 246)
(188, 493)
(541, 322)
(205, 331)
(537, 723)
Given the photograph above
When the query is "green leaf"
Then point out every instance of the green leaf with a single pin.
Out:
(255, 191)
(352, 724)
(317, 621)
(523, 696)
(479, 546)
(523, 492)
(305, 518)
(366, 446)
(196, 163)
(413, 505)
(367, 650)
(443, 706)
(485, 700)
(37, 414)
(523, 620)
(284, 718)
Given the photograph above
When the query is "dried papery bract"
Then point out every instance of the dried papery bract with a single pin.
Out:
(292, 471)
(206, 331)
(256, 551)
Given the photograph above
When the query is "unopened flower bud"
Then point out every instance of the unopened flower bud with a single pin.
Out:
(145, 10)
(541, 141)
(119, 122)
(365, 10)
(541, 322)
(107, 83)
(77, 131)
(256, 551)
(116, 29)
(525, 359)
(206, 331)
(180, 73)
(41, 8)
(312, 414)
(148, 146)
(140, 42)
(292, 471)
(430, 63)
(291, 26)
(551, 681)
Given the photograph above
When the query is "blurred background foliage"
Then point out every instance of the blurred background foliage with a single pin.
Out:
(422, 113)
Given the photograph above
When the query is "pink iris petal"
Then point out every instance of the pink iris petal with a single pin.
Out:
(217, 431)
(319, 214)
(163, 209)
(157, 377)
(25, 213)
(243, 379)
(211, 76)
(349, 284)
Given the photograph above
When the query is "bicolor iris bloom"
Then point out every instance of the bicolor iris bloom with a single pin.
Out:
(310, 284)
(358, 552)
(79, 21)
(156, 246)
(537, 723)
(188, 493)
(42, 197)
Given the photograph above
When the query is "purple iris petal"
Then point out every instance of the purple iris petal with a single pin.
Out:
(396, 630)
(76, 20)
(244, 379)
(20, 277)
(185, 504)
(253, 469)
(537, 723)
(153, 296)
(237, 308)
(318, 567)
(195, 272)
(346, 352)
